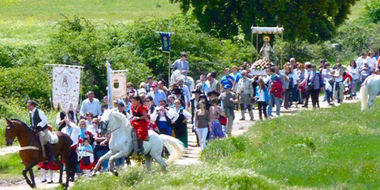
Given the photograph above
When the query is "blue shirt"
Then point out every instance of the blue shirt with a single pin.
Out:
(157, 97)
(82, 131)
(225, 80)
(237, 76)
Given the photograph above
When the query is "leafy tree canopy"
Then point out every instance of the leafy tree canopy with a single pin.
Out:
(313, 20)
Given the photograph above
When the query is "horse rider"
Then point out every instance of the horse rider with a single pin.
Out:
(181, 64)
(39, 123)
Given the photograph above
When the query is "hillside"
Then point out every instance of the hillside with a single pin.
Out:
(32, 21)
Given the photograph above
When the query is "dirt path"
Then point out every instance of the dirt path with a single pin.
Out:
(191, 154)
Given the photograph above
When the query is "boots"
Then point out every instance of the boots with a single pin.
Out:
(43, 149)
(50, 152)
(137, 143)
(140, 143)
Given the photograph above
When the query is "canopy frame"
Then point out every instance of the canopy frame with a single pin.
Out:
(265, 30)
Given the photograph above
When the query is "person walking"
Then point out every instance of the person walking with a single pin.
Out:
(179, 121)
(202, 123)
(338, 84)
(353, 70)
(314, 84)
(262, 97)
(245, 95)
(228, 99)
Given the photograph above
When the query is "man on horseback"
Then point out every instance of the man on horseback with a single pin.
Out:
(38, 122)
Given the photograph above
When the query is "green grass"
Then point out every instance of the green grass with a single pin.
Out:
(337, 148)
(10, 166)
(32, 21)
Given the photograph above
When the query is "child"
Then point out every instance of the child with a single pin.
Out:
(86, 156)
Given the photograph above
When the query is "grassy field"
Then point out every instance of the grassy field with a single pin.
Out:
(25, 22)
(337, 148)
(10, 166)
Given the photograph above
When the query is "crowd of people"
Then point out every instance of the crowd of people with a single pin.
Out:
(210, 106)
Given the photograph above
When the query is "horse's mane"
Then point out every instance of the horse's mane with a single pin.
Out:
(23, 124)
(119, 116)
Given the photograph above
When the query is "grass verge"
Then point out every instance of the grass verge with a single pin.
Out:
(327, 148)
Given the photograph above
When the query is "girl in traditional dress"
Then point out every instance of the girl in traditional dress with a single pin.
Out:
(86, 155)
(181, 116)
(140, 122)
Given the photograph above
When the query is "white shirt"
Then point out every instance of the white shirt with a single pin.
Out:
(74, 135)
(295, 78)
(175, 114)
(354, 72)
(372, 63)
(360, 61)
(92, 107)
(42, 115)
(261, 95)
(156, 111)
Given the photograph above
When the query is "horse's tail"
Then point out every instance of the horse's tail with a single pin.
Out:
(364, 95)
(174, 146)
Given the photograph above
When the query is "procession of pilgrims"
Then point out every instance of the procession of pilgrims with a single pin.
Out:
(207, 105)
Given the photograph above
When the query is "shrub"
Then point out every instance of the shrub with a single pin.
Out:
(25, 83)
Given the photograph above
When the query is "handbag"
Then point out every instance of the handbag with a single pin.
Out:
(223, 120)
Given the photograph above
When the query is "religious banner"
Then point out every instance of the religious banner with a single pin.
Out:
(165, 39)
(119, 85)
(66, 84)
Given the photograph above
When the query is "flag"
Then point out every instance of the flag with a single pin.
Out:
(109, 81)
(165, 39)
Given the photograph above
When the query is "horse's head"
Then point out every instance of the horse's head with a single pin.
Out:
(112, 120)
(104, 121)
(9, 132)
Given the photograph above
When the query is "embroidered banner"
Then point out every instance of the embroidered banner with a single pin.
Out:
(165, 39)
(66, 83)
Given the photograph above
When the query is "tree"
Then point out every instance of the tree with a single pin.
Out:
(313, 20)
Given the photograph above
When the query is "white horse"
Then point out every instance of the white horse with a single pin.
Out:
(369, 90)
(188, 81)
(120, 144)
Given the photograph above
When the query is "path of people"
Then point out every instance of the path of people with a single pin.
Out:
(191, 154)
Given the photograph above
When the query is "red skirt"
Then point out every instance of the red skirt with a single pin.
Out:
(48, 166)
(141, 127)
(88, 167)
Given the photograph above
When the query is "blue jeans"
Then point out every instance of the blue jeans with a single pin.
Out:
(202, 135)
(99, 154)
(277, 102)
(120, 162)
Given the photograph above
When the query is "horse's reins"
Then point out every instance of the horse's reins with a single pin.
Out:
(115, 130)
(27, 147)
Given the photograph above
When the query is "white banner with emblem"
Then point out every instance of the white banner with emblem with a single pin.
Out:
(119, 84)
(66, 84)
